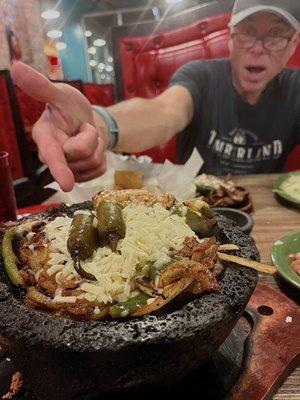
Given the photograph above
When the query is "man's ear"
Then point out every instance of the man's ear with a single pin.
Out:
(230, 45)
(295, 42)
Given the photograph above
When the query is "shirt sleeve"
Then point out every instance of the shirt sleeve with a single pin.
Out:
(194, 76)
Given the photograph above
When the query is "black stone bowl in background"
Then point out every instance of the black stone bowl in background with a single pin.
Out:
(242, 219)
(66, 359)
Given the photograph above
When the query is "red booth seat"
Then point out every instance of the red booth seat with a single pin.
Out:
(148, 63)
(293, 162)
(8, 132)
(30, 110)
(101, 95)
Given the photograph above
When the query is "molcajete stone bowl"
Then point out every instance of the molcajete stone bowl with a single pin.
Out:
(66, 359)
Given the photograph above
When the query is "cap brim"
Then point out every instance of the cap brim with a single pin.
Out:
(240, 16)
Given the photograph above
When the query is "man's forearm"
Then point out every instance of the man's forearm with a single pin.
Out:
(143, 124)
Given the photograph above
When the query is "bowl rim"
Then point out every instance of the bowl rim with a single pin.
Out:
(247, 227)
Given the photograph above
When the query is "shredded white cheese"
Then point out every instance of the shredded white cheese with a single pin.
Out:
(54, 269)
(84, 212)
(64, 299)
(150, 234)
(150, 301)
(30, 235)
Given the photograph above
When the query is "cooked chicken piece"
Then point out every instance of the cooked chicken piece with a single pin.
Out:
(34, 252)
(189, 244)
(28, 278)
(197, 251)
(133, 196)
(36, 258)
(205, 281)
(47, 283)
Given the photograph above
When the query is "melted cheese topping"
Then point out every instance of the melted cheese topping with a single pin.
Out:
(150, 234)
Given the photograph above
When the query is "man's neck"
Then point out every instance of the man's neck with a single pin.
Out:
(251, 98)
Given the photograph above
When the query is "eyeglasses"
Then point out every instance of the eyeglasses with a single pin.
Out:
(270, 43)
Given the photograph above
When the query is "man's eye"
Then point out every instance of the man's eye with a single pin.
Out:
(275, 33)
(249, 33)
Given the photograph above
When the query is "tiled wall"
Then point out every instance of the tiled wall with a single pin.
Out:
(25, 18)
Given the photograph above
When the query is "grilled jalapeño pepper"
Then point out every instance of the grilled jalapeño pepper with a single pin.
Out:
(82, 241)
(129, 306)
(153, 271)
(9, 258)
(111, 225)
(199, 216)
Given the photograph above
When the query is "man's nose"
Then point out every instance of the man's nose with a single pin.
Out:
(258, 47)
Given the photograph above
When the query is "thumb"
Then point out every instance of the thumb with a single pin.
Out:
(51, 152)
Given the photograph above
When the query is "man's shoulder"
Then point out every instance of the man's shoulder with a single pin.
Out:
(289, 77)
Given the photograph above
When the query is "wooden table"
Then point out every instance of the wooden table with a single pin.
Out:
(272, 221)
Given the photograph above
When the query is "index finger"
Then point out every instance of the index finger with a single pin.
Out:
(35, 84)
(52, 153)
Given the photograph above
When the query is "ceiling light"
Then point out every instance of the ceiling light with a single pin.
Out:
(108, 68)
(92, 63)
(61, 45)
(50, 14)
(99, 42)
(92, 50)
(88, 33)
(54, 34)
(110, 59)
(101, 66)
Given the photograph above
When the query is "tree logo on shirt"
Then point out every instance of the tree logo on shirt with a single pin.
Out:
(241, 145)
(243, 137)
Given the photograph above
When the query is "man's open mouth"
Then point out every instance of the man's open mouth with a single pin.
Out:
(255, 69)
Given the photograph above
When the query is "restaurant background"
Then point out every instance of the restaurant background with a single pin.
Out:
(65, 55)
(23, 18)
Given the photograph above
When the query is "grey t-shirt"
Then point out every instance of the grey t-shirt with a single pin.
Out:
(231, 135)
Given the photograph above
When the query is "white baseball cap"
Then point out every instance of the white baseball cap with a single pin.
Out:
(289, 10)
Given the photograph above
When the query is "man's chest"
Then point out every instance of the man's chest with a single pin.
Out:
(241, 132)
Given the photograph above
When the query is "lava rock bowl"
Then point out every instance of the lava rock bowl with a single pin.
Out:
(242, 219)
(66, 359)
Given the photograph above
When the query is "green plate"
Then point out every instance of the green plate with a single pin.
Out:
(280, 252)
(280, 192)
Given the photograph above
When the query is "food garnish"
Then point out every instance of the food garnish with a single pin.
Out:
(130, 256)
(267, 269)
